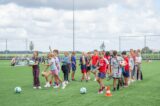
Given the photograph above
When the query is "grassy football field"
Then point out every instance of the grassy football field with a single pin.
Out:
(140, 93)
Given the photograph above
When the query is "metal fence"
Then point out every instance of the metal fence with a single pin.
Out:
(119, 43)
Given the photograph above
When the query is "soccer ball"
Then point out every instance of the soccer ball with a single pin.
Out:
(83, 90)
(31, 62)
(123, 63)
(18, 89)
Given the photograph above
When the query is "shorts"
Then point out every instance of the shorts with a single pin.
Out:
(101, 75)
(84, 71)
(55, 72)
(88, 68)
(126, 74)
(93, 68)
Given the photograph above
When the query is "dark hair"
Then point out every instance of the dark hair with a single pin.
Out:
(124, 53)
(114, 53)
(107, 53)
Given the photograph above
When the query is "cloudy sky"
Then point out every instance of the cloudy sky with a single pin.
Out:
(49, 22)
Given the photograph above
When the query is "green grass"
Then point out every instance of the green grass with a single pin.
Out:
(142, 93)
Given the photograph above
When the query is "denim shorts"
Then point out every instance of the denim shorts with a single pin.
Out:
(126, 74)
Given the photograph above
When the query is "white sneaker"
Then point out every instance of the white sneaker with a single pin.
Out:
(66, 82)
(89, 78)
(132, 80)
(39, 87)
(63, 85)
(47, 85)
(100, 92)
(57, 86)
(34, 87)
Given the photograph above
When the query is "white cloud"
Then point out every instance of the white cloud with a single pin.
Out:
(47, 26)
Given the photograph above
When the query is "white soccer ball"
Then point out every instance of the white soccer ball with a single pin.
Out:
(83, 90)
(31, 62)
(18, 89)
(122, 63)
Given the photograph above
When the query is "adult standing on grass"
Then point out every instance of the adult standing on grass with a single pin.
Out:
(36, 70)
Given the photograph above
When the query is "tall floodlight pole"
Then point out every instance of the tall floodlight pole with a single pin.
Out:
(6, 45)
(73, 26)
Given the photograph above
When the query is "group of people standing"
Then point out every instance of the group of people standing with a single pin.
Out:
(123, 67)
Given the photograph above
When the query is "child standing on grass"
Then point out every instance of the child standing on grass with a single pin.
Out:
(89, 57)
(83, 61)
(131, 64)
(36, 70)
(95, 58)
(126, 68)
(65, 67)
(57, 60)
(102, 72)
(116, 67)
(133, 56)
(73, 63)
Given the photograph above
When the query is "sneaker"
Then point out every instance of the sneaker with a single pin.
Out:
(47, 85)
(66, 82)
(100, 91)
(34, 87)
(89, 78)
(39, 87)
(63, 85)
(132, 80)
(57, 86)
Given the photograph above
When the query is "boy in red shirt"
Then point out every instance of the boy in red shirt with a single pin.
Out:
(102, 72)
(126, 68)
(94, 63)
